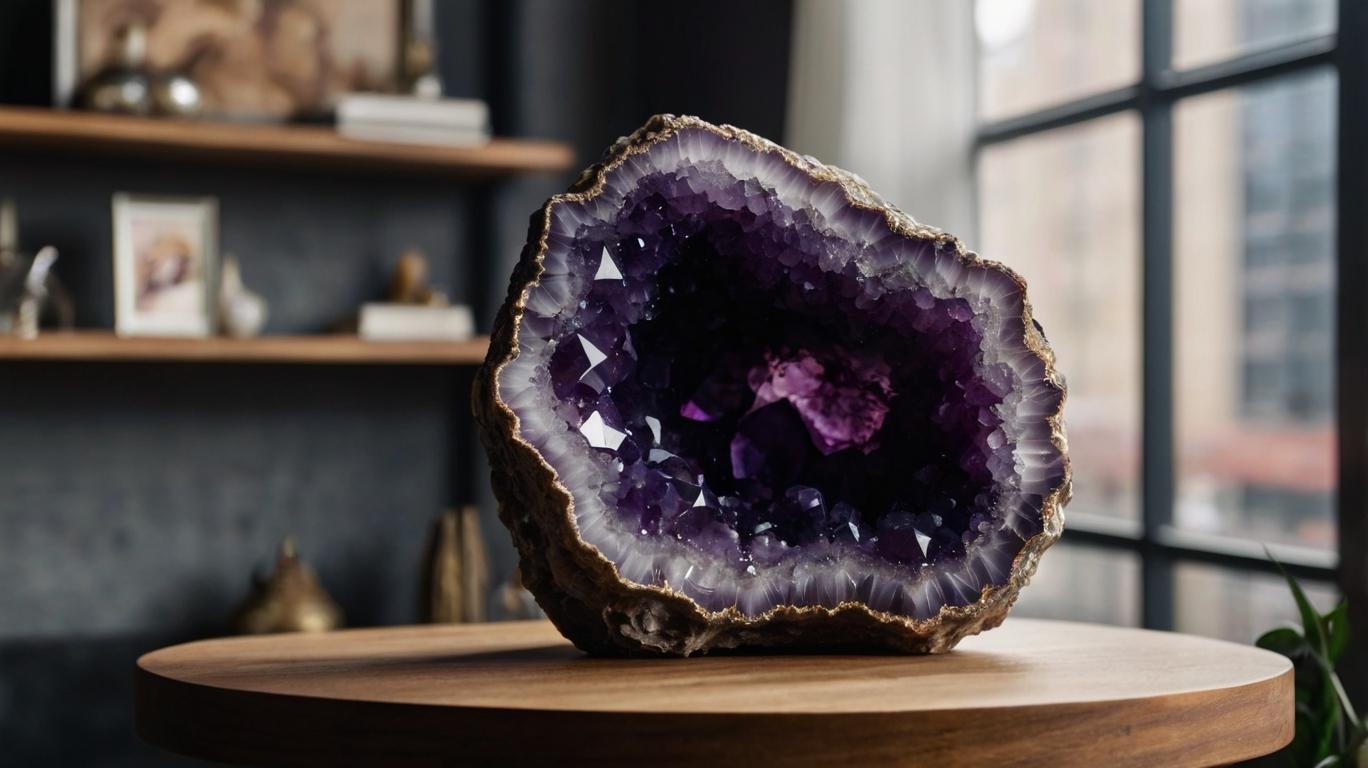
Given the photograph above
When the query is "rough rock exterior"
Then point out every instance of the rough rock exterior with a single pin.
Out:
(735, 399)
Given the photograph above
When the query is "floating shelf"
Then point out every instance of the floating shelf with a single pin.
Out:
(342, 350)
(294, 145)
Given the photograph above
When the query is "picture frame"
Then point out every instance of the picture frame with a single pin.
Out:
(165, 265)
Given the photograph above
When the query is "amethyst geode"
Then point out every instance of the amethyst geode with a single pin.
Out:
(736, 399)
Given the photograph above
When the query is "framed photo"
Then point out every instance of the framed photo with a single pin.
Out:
(252, 60)
(165, 265)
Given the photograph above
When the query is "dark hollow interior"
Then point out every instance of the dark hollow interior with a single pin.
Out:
(721, 313)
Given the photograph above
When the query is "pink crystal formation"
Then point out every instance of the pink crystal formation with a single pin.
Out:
(781, 411)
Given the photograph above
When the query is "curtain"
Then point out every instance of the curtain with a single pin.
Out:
(885, 89)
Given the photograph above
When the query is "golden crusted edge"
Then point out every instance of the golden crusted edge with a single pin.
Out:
(568, 575)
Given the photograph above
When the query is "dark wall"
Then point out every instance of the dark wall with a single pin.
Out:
(135, 500)
(138, 499)
(141, 496)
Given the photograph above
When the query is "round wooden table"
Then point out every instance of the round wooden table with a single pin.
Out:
(1031, 692)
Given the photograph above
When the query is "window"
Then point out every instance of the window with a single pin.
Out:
(1164, 174)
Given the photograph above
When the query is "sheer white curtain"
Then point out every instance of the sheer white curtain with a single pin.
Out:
(885, 88)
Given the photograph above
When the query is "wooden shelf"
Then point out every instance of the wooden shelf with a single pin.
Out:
(102, 346)
(293, 145)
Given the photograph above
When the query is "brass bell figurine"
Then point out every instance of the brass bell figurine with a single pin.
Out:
(289, 600)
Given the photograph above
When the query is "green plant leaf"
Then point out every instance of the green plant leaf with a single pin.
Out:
(1285, 640)
(1337, 632)
(1311, 625)
(1325, 741)
(1330, 762)
(1310, 617)
(1331, 735)
(1327, 683)
(1341, 697)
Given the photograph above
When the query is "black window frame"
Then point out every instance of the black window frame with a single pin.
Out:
(1159, 544)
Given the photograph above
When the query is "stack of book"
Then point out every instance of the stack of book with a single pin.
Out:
(381, 321)
(413, 120)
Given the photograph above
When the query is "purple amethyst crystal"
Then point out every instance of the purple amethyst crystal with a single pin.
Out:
(736, 399)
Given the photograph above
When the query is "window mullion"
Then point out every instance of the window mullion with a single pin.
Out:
(1157, 429)
(1351, 322)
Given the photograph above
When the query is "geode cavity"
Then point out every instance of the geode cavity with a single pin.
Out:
(736, 399)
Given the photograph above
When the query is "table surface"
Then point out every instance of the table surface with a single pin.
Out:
(1030, 692)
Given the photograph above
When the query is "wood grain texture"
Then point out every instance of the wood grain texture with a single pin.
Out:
(1029, 693)
(297, 145)
(104, 346)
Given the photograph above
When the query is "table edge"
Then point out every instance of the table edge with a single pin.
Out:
(195, 719)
